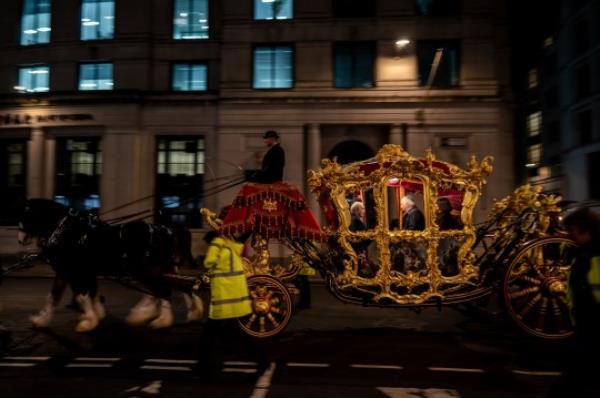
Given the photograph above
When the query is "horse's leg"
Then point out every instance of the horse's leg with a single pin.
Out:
(97, 305)
(85, 287)
(143, 312)
(42, 319)
(194, 305)
(162, 290)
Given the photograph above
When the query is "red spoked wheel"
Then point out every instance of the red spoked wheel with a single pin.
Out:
(271, 307)
(535, 285)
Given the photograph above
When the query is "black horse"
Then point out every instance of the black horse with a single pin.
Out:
(80, 247)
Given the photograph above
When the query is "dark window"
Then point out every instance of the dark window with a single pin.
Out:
(438, 7)
(584, 127)
(273, 67)
(273, 9)
(179, 180)
(78, 170)
(551, 98)
(353, 64)
(593, 165)
(440, 57)
(582, 37)
(354, 8)
(552, 132)
(13, 175)
(582, 81)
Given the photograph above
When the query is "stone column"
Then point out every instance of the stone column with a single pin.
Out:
(35, 164)
(396, 134)
(313, 162)
(49, 167)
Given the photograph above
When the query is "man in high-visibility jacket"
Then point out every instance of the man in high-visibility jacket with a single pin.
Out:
(229, 300)
(583, 294)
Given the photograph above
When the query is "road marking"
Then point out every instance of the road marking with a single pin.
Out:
(90, 359)
(261, 388)
(394, 392)
(536, 373)
(365, 366)
(463, 370)
(239, 363)
(89, 365)
(180, 361)
(16, 365)
(26, 358)
(175, 368)
(238, 370)
(307, 365)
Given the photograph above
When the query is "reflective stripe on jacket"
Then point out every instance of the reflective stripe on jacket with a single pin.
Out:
(593, 278)
(229, 296)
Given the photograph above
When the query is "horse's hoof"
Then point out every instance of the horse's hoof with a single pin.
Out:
(41, 320)
(141, 316)
(165, 319)
(196, 310)
(86, 324)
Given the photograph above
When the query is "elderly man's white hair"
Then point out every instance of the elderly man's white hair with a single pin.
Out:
(407, 200)
(356, 206)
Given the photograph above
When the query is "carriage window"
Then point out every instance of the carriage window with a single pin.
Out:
(78, 170)
(179, 180)
(405, 205)
(449, 206)
(12, 178)
(361, 204)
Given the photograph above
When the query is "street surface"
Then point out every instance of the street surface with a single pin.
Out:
(330, 350)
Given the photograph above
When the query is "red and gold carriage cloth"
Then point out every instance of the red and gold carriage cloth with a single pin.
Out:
(275, 210)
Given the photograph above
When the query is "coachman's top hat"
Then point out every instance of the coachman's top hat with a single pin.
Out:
(271, 134)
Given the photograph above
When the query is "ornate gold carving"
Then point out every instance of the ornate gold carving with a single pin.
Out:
(270, 205)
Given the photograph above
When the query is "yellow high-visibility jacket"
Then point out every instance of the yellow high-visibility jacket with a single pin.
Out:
(229, 296)
(592, 279)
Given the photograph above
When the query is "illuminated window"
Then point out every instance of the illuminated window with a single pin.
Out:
(180, 176)
(34, 79)
(440, 57)
(534, 155)
(35, 22)
(534, 123)
(190, 19)
(13, 155)
(273, 67)
(533, 78)
(97, 19)
(96, 77)
(273, 9)
(189, 77)
(353, 64)
(78, 170)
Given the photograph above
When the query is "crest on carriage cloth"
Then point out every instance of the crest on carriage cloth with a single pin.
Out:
(270, 205)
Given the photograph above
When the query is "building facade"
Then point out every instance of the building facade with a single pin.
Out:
(132, 105)
(558, 118)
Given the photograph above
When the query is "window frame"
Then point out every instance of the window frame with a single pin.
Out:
(29, 66)
(458, 45)
(158, 196)
(98, 166)
(374, 49)
(20, 37)
(5, 142)
(254, 18)
(208, 21)
(97, 39)
(172, 76)
(79, 70)
(293, 64)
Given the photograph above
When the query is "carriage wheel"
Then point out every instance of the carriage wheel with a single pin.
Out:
(271, 307)
(535, 286)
